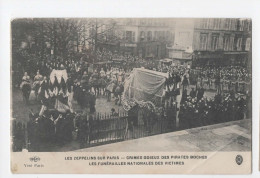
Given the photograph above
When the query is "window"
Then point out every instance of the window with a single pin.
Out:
(226, 42)
(230, 25)
(149, 36)
(216, 24)
(239, 44)
(234, 24)
(129, 36)
(168, 36)
(227, 23)
(248, 44)
(160, 35)
(248, 25)
(214, 41)
(156, 35)
(241, 25)
(231, 44)
(133, 36)
(203, 41)
(142, 35)
(163, 35)
(124, 35)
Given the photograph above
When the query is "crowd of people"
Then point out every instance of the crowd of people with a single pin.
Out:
(54, 128)
(198, 110)
(50, 127)
(85, 82)
(56, 121)
(223, 78)
(89, 81)
(107, 55)
(231, 102)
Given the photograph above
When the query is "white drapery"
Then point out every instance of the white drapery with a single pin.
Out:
(58, 74)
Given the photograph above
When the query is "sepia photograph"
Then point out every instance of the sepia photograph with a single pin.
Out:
(114, 85)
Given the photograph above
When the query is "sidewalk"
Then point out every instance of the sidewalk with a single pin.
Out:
(230, 136)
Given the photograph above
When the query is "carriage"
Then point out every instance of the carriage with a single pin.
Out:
(145, 85)
(144, 99)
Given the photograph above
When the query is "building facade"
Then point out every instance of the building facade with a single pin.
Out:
(146, 38)
(222, 41)
(181, 49)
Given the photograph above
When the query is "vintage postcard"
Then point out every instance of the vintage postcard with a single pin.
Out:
(131, 95)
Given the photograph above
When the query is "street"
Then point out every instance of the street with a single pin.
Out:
(21, 111)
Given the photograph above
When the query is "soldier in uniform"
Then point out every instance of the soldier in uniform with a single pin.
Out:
(192, 93)
(102, 73)
(200, 93)
(26, 87)
(83, 131)
(85, 80)
(92, 103)
(217, 84)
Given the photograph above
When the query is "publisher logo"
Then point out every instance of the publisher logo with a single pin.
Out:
(239, 159)
(34, 159)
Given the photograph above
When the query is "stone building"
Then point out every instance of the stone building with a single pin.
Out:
(146, 37)
(181, 51)
(222, 41)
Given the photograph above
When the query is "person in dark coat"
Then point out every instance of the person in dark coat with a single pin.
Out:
(217, 83)
(184, 96)
(68, 126)
(69, 84)
(85, 80)
(200, 93)
(185, 82)
(192, 93)
(132, 117)
(92, 103)
(84, 131)
(171, 115)
(59, 126)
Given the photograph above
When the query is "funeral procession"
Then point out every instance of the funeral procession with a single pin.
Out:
(83, 84)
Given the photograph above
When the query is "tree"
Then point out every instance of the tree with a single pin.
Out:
(58, 37)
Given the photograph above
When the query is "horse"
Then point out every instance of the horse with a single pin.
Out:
(185, 82)
(36, 87)
(95, 85)
(26, 90)
(110, 88)
(102, 85)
